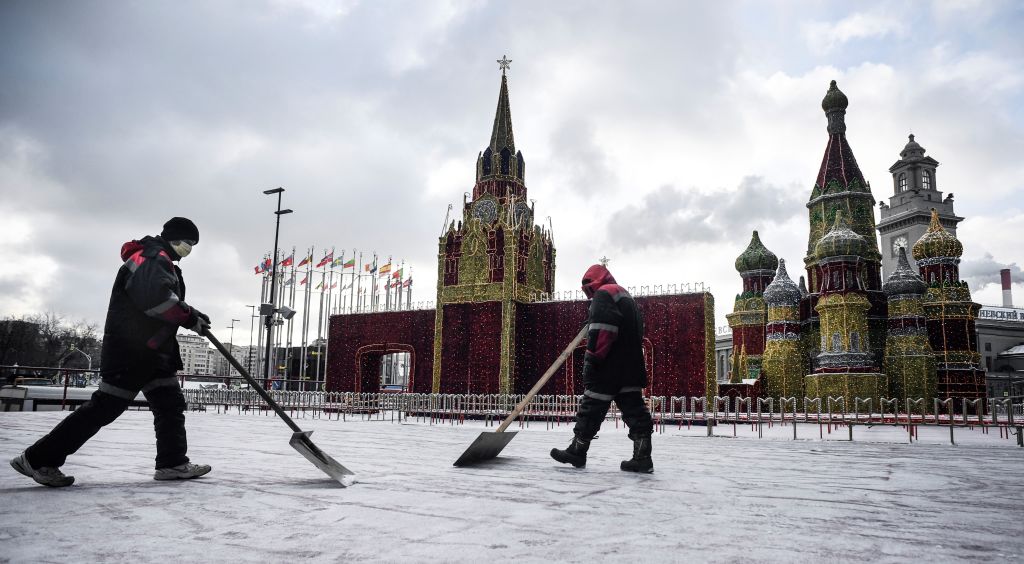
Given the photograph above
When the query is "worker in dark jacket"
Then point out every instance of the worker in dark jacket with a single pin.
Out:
(140, 354)
(613, 369)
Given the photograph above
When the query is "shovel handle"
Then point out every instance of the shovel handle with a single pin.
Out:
(252, 382)
(543, 380)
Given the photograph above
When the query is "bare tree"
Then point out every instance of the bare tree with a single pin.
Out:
(42, 340)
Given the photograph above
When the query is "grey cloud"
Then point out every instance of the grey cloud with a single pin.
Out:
(581, 159)
(670, 216)
(985, 270)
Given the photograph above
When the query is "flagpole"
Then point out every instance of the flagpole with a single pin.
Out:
(359, 278)
(387, 287)
(408, 296)
(373, 288)
(305, 318)
(398, 288)
(279, 335)
(355, 274)
(259, 342)
(320, 325)
(291, 320)
(341, 284)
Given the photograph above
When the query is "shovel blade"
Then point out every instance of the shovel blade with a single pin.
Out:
(487, 446)
(301, 442)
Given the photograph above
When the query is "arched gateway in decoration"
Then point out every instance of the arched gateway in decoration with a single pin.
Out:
(493, 331)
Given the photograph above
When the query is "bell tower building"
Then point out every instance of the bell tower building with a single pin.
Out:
(493, 258)
(906, 217)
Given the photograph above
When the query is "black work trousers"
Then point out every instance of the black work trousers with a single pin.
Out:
(594, 408)
(118, 388)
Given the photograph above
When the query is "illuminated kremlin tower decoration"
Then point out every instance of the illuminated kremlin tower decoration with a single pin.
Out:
(840, 190)
(782, 366)
(909, 359)
(845, 365)
(756, 266)
(495, 254)
(950, 314)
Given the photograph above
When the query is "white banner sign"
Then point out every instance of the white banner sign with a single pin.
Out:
(1001, 313)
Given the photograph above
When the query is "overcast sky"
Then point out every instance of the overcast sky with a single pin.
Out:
(657, 134)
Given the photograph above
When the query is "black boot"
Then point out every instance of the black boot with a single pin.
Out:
(575, 454)
(641, 461)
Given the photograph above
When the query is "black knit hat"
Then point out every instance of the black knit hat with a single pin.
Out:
(180, 229)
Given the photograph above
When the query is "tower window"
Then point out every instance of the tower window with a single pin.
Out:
(902, 182)
(506, 156)
(837, 342)
(855, 341)
(926, 180)
(487, 161)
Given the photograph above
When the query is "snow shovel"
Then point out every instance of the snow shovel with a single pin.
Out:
(489, 445)
(300, 440)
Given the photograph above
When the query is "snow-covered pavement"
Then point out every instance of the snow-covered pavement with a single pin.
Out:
(713, 499)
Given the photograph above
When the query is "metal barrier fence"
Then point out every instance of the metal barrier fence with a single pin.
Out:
(831, 413)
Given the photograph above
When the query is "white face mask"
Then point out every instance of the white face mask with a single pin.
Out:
(182, 248)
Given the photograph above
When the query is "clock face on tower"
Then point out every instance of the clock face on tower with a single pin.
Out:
(486, 210)
(898, 243)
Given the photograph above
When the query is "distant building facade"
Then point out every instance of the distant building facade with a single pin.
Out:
(196, 355)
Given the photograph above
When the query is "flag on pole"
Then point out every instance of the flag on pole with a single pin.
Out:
(335, 285)
(289, 281)
(350, 263)
(407, 283)
(306, 260)
(337, 262)
(264, 266)
(259, 268)
(328, 258)
(385, 269)
(398, 274)
(346, 286)
(304, 280)
(288, 261)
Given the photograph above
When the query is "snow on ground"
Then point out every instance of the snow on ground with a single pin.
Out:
(714, 499)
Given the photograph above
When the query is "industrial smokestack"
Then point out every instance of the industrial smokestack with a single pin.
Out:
(1004, 274)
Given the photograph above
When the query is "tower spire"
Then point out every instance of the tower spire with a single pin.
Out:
(501, 134)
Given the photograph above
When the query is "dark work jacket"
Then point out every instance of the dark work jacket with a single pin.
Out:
(147, 305)
(614, 359)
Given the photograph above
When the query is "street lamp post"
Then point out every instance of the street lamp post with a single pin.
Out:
(231, 348)
(252, 325)
(60, 365)
(270, 309)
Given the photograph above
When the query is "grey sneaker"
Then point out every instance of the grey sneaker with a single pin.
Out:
(45, 475)
(185, 471)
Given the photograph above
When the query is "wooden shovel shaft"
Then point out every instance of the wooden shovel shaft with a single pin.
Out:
(252, 382)
(543, 380)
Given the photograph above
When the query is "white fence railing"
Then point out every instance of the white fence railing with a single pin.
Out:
(1006, 414)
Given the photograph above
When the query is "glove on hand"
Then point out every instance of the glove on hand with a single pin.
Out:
(202, 322)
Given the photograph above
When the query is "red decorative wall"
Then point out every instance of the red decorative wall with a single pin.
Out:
(357, 341)
(471, 348)
(675, 346)
(542, 332)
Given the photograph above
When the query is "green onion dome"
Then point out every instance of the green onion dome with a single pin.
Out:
(937, 242)
(756, 257)
(834, 99)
